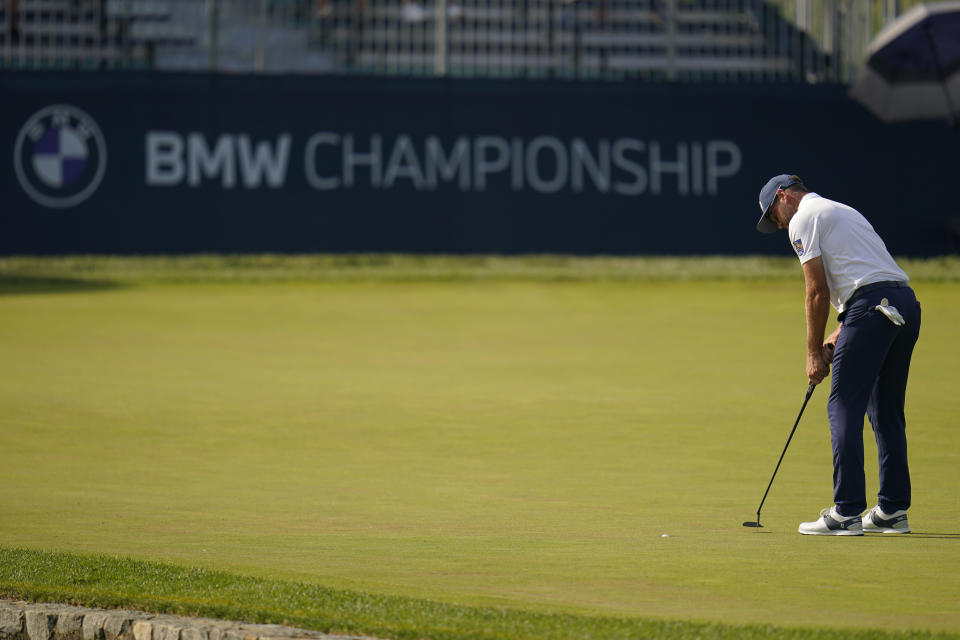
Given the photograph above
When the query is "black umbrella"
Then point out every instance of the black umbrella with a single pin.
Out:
(912, 68)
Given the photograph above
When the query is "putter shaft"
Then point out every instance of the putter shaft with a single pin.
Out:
(789, 438)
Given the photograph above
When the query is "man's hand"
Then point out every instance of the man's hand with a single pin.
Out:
(827, 352)
(817, 368)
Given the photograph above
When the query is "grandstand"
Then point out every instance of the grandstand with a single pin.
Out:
(673, 40)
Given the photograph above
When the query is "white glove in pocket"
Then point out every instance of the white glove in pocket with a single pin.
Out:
(891, 312)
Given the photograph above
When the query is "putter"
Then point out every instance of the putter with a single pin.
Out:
(751, 523)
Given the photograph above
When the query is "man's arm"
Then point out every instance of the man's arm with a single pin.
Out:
(818, 309)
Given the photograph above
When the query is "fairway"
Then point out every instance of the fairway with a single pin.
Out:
(519, 443)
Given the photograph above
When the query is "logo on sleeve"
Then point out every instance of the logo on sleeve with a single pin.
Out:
(798, 247)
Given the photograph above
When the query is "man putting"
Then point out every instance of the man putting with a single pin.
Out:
(846, 265)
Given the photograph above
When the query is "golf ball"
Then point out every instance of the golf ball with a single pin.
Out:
(664, 535)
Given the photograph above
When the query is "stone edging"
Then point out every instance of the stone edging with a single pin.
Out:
(26, 621)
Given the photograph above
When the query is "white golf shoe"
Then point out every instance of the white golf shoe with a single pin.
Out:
(876, 521)
(832, 523)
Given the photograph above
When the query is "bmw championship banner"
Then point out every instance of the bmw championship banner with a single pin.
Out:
(167, 163)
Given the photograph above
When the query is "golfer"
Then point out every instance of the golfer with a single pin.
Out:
(846, 265)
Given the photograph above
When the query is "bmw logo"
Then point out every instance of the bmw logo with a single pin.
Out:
(60, 156)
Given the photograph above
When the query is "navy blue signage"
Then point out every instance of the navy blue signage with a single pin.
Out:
(166, 163)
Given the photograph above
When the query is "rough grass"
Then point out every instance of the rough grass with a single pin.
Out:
(106, 581)
(394, 267)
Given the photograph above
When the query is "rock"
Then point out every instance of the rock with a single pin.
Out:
(12, 623)
(142, 630)
(93, 625)
(194, 633)
(166, 630)
(40, 624)
(119, 625)
(69, 625)
(24, 621)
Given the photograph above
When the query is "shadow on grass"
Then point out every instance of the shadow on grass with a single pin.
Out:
(13, 284)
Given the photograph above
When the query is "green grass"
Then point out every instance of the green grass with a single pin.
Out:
(106, 581)
(118, 270)
(496, 444)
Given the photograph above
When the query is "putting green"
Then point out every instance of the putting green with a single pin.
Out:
(523, 444)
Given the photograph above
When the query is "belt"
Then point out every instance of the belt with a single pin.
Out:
(867, 288)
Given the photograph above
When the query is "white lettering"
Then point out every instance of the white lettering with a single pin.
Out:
(322, 183)
(202, 162)
(458, 162)
(561, 164)
(352, 159)
(482, 166)
(637, 170)
(516, 164)
(658, 167)
(262, 162)
(60, 117)
(715, 169)
(82, 130)
(696, 167)
(403, 163)
(544, 164)
(599, 169)
(165, 165)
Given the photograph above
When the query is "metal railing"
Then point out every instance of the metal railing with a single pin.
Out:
(843, 29)
(672, 40)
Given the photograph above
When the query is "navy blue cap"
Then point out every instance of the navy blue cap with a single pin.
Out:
(767, 196)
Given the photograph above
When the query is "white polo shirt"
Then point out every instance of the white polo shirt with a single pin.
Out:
(852, 252)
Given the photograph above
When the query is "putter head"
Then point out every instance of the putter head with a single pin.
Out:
(751, 523)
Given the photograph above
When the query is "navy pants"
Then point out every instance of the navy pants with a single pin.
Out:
(870, 367)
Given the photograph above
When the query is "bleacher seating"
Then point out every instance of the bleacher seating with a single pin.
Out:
(653, 39)
(583, 38)
(87, 33)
